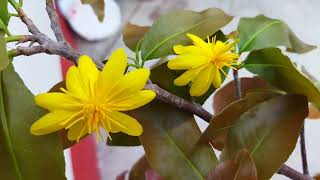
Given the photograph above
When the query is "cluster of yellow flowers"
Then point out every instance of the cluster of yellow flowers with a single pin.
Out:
(94, 99)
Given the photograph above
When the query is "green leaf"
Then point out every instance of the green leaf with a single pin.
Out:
(169, 139)
(122, 139)
(4, 60)
(263, 32)
(171, 29)
(2, 26)
(4, 14)
(97, 6)
(241, 167)
(219, 126)
(271, 65)
(25, 156)
(269, 131)
(132, 34)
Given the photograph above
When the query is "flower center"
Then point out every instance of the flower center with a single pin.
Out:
(95, 116)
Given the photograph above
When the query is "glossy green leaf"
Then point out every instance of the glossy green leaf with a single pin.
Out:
(241, 167)
(4, 60)
(269, 131)
(4, 14)
(219, 126)
(132, 34)
(263, 32)
(25, 156)
(169, 137)
(271, 65)
(171, 29)
(122, 139)
(97, 6)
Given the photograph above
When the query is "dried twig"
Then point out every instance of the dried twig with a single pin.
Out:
(303, 151)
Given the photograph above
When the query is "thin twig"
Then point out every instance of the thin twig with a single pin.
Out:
(180, 103)
(55, 26)
(303, 151)
(237, 84)
(292, 173)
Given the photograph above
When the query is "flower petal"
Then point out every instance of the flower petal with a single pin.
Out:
(187, 62)
(49, 123)
(57, 101)
(195, 50)
(187, 76)
(88, 73)
(202, 82)
(74, 83)
(200, 43)
(216, 81)
(75, 130)
(113, 70)
(133, 101)
(130, 83)
(125, 123)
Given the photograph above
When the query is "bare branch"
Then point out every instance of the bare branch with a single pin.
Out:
(292, 173)
(28, 51)
(303, 151)
(180, 103)
(54, 21)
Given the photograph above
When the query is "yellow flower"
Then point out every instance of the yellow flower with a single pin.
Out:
(93, 99)
(203, 61)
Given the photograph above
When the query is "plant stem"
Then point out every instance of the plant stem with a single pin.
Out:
(14, 38)
(303, 151)
(133, 65)
(15, 5)
(13, 15)
(237, 84)
(292, 173)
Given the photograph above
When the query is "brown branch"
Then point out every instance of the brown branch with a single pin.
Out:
(180, 103)
(62, 48)
(55, 26)
(292, 173)
(237, 84)
(303, 151)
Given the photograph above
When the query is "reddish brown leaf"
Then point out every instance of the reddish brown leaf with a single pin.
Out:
(314, 113)
(138, 170)
(218, 128)
(132, 35)
(152, 175)
(225, 95)
(122, 176)
(240, 168)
